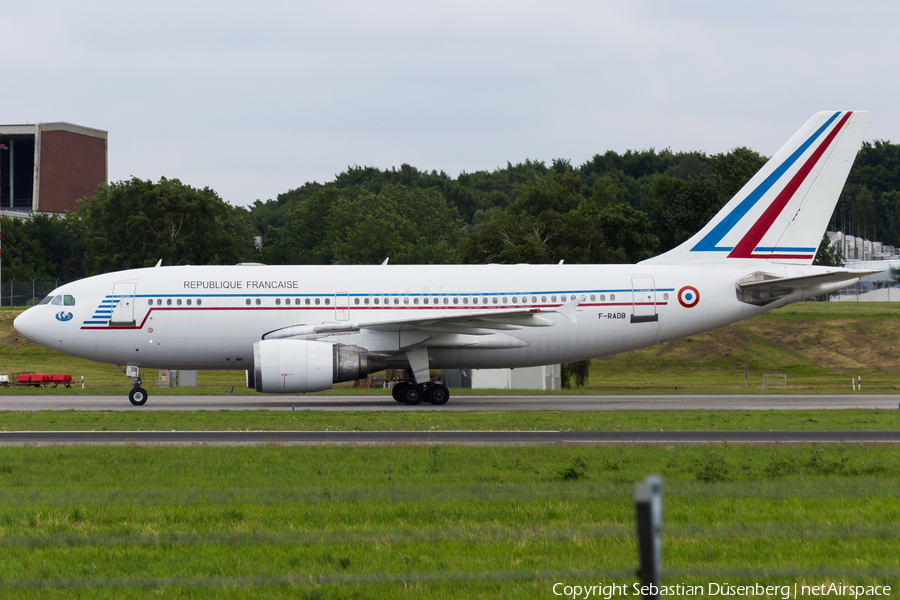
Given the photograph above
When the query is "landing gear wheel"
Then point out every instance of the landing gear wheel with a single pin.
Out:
(412, 394)
(399, 389)
(438, 394)
(138, 396)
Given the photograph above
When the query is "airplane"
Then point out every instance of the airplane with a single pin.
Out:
(299, 329)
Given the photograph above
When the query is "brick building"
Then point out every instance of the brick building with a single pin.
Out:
(46, 167)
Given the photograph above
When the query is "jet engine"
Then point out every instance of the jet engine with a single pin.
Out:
(297, 366)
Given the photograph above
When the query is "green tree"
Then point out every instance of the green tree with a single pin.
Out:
(407, 225)
(556, 218)
(735, 169)
(577, 373)
(135, 223)
(678, 209)
(301, 239)
(43, 247)
(23, 257)
(828, 255)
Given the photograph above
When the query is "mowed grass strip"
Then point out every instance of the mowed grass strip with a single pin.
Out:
(439, 420)
(223, 522)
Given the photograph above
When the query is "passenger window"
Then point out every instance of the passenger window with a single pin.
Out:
(593, 297)
(150, 302)
(446, 301)
(552, 298)
(543, 298)
(612, 297)
(198, 301)
(258, 301)
(277, 301)
(425, 300)
(188, 301)
(328, 301)
(169, 302)
(317, 301)
(366, 301)
(178, 302)
(495, 299)
(376, 300)
(415, 300)
(405, 300)
(456, 301)
(396, 300)
(533, 299)
(465, 300)
(665, 296)
(356, 301)
(307, 301)
(46, 300)
(515, 300)
(248, 301)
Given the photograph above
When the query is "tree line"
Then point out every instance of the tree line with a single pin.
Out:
(615, 208)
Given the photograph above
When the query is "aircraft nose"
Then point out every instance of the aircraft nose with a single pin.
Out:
(24, 324)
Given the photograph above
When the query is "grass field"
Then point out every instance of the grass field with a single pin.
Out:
(462, 522)
(311, 420)
(819, 352)
(439, 522)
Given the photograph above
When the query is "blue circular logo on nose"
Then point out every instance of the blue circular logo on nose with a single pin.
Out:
(63, 316)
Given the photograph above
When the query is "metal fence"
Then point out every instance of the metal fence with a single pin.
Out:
(27, 292)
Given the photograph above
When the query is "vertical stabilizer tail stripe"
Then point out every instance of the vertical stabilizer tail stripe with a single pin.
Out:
(745, 247)
(712, 239)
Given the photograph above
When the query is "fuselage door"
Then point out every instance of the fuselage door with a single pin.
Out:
(123, 305)
(342, 306)
(644, 300)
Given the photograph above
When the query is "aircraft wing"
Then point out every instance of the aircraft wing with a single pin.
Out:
(782, 284)
(471, 322)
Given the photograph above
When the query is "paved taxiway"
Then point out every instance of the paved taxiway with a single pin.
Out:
(17, 438)
(461, 402)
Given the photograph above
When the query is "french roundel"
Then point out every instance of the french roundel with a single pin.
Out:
(688, 296)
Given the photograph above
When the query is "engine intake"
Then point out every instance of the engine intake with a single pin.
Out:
(298, 366)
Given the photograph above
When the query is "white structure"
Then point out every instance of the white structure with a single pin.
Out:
(529, 378)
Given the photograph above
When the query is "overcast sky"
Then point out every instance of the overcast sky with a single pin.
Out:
(255, 98)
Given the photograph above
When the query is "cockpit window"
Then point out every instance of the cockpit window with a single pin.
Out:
(57, 301)
(68, 300)
(46, 300)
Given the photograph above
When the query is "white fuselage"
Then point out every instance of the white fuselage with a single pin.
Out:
(209, 317)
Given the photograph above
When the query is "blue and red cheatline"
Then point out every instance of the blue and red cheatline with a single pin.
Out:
(688, 296)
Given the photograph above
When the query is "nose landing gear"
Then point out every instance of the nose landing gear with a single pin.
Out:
(138, 395)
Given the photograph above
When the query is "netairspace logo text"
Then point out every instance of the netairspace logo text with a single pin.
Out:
(785, 592)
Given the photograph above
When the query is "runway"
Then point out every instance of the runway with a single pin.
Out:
(467, 438)
(460, 402)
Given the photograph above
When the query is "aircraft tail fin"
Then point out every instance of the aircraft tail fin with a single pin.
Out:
(781, 214)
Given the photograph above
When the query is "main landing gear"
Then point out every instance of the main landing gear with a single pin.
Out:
(411, 393)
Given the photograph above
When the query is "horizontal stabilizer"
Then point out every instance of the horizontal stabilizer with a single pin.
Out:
(789, 284)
